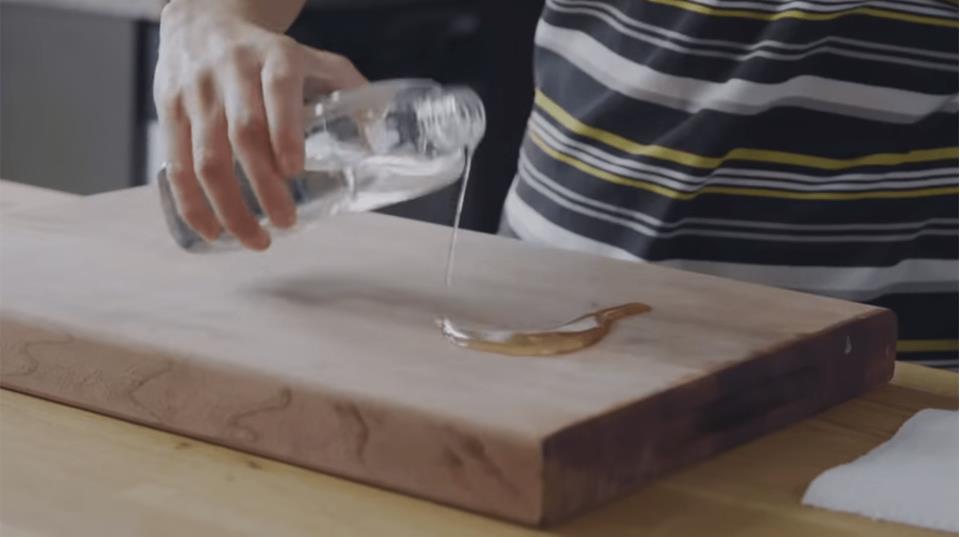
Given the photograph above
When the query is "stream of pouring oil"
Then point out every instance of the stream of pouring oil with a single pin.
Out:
(569, 337)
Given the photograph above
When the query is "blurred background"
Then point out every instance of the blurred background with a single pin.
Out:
(76, 106)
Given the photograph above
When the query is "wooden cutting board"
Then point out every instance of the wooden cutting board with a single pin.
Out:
(323, 352)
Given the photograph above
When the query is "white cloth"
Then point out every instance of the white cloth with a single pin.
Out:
(911, 478)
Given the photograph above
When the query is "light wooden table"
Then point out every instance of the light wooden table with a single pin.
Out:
(65, 471)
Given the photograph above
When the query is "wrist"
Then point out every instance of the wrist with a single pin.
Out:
(275, 16)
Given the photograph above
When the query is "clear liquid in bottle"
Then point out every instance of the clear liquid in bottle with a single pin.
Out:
(367, 148)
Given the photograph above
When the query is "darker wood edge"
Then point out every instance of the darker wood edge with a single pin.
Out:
(599, 460)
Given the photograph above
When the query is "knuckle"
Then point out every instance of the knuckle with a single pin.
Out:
(210, 165)
(342, 62)
(280, 74)
(286, 46)
(177, 172)
(196, 216)
(248, 127)
(203, 88)
(247, 133)
(239, 55)
(169, 105)
(338, 59)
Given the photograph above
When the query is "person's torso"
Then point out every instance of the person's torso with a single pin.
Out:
(809, 144)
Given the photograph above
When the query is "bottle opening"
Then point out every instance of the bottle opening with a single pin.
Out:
(452, 119)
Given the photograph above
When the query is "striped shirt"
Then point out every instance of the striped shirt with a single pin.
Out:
(804, 144)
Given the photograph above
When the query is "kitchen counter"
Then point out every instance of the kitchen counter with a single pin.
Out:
(65, 471)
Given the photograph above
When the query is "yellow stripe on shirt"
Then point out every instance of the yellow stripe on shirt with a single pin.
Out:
(685, 158)
(734, 191)
(927, 345)
(806, 15)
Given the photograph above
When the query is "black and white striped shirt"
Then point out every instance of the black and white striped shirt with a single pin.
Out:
(807, 144)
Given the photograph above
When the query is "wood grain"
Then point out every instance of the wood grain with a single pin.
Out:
(323, 353)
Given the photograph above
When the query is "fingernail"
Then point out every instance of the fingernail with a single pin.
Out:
(286, 220)
(211, 233)
(261, 241)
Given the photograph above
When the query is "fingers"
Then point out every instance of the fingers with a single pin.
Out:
(190, 199)
(282, 88)
(213, 166)
(239, 99)
(249, 134)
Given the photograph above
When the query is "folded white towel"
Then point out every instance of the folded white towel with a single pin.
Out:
(911, 478)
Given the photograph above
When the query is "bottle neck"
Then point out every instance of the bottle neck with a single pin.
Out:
(453, 119)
